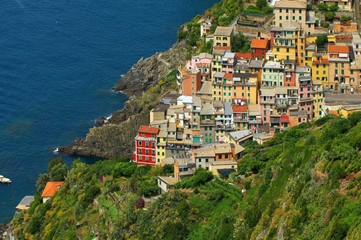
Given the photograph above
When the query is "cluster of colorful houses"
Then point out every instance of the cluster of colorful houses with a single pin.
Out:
(228, 97)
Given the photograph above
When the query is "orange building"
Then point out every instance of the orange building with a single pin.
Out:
(191, 81)
(339, 68)
(50, 189)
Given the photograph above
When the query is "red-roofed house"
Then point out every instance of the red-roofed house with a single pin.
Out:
(285, 121)
(259, 47)
(50, 189)
(339, 68)
(240, 113)
(145, 145)
(245, 56)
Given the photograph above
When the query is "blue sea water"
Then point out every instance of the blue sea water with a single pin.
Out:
(58, 63)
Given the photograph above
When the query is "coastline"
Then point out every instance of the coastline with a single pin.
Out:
(109, 138)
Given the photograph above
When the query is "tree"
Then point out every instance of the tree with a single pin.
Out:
(329, 16)
(344, 19)
(261, 4)
(240, 43)
(57, 169)
(41, 182)
(322, 7)
(321, 39)
(333, 8)
(206, 47)
(167, 168)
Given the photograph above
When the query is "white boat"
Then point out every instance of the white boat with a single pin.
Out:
(4, 179)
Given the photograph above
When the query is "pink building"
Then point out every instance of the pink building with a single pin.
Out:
(267, 103)
(202, 63)
(305, 100)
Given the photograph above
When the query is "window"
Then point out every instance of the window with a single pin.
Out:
(139, 150)
(280, 17)
(146, 144)
(299, 18)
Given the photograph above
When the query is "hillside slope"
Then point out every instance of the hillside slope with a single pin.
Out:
(304, 184)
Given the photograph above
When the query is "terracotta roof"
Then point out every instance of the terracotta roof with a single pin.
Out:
(243, 55)
(333, 112)
(228, 75)
(222, 47)
(285, 119)
(239, 108)
(147, 129)
(338, 49)
(51, 188)
(259, 43)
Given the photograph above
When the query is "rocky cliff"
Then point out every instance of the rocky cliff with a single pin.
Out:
(115, 138)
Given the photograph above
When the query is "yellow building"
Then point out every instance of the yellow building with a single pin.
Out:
(348, 109)
(222, 86)
(222, 36)
(318, 98)
(161, 145)
(312, 39)
(287, 44)
(227, 86)
(245, 87)
(320, 68)
(309, 52)
(216, 66)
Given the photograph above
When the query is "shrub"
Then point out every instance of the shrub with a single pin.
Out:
(89, 196)
(200, 177)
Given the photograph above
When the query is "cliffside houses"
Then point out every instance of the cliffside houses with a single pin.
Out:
(227, 97)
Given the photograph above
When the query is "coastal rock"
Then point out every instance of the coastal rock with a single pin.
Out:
(109, 140)
(115, 137)
(146, 72)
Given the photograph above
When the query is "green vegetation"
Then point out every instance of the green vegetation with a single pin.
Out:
(240, 43)
(260, 8)
(321, 40)
(328, 10)
(221, 14)
(303, 184)
(345, 19)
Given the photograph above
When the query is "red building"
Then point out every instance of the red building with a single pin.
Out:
(145, 146)
(259, 48)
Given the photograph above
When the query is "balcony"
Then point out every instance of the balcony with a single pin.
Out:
(305, 99)
(208, 122)
(267, 101)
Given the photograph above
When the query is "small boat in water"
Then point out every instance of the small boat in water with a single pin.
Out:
(4, 179)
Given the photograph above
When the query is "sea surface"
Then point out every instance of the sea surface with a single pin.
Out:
(58, 63)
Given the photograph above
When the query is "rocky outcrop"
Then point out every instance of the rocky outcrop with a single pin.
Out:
(116, 137)
(147, 72)
(110, 140)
